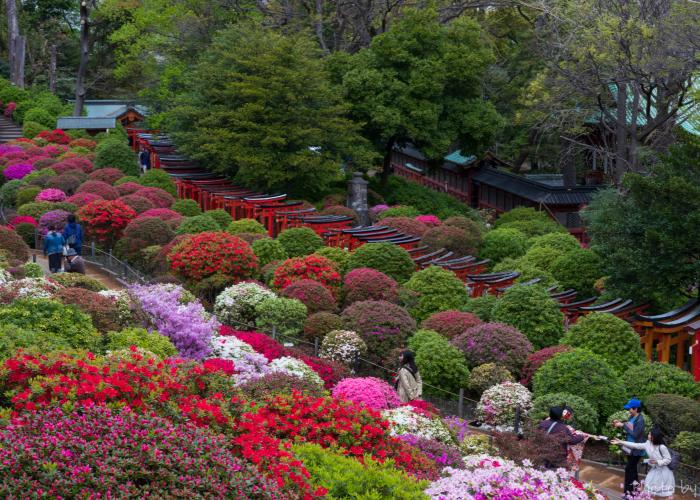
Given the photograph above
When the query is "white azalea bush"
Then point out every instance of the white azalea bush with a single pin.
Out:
(122, 299)
(28, 288)
(403, 420)
(498, 403)
(343, 346)
(296, 368)
(229, 347)
(236, 305)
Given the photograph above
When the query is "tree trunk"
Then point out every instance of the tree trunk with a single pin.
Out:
(632, 147)
(386, 167)
(16, 45)
(53, 68)
(620, 133)
(84, 54)
(318, 23)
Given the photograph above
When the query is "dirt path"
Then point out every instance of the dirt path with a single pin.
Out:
(609, 480)
(90, 270)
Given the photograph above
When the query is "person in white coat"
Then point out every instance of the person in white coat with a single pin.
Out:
(408, 382)
(659, 481)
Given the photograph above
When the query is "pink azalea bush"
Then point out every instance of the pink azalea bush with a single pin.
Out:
(17, 171)
(23, 219)
(51, 194)
(370, 391)
(429, 220)
(369, 284)
(82, 199)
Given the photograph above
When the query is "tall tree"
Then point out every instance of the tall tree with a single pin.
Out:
(421, 81)
(17, 44)
(266, 113)
(80, 87)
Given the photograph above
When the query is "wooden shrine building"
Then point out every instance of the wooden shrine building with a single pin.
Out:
(104, 115)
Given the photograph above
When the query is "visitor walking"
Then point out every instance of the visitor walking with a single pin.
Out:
(553, 426)
(73, 235)
(145, 160)
(659, 481)
(408, 382)
(53, 248)
(634, 429)
(74, 262)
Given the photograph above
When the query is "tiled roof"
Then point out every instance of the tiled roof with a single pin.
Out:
(79, 122)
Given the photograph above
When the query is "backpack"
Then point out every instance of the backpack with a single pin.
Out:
(71, 240)
(675, 458)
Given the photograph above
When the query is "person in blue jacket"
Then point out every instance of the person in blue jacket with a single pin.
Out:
(73, 235)
(634, 432)
(53, 247)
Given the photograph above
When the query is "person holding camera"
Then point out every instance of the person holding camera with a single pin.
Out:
(634, 429)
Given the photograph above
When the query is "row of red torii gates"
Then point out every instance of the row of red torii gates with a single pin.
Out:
(669, 337)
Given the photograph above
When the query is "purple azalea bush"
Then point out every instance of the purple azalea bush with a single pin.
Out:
(17, 171)
(444, 455)
(55, 218)
(187, 325)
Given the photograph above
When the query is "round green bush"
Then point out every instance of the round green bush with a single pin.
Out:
(268, 250)
(158, 178)
(38, 208)
(33, 270)
(198, 224)
(520, 214)
(644, 379)
(400, 211)
(452, 238)
(608, 336)
(563, 242)
(585, 415)
(674, 413)
(541, 257)
(487, 375)
(442, 367)
(27, 232)
(27, 194)
(585, 374)
(31, 129)
(471, 226)
(422, 337)
(688, 445)
(319, 324)
(116, 153)
(77, 280)
(221, 217)
(502, 243)
(300, 241)
(158, 344)
(481, 306)
(530, 309)
(13, 338)
(578, 269)
(53, 318)
(535, 227)
(188, 208)
(129, 178)
(40, 116)
(8, 192)
(336, 255)
(438, 290)
(246, 226)
(287, 316)
(388, 258)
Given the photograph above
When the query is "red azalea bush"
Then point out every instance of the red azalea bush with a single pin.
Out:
(56, 136)
(107, 175)
(260, 342)
(369, 284)
(68, 183)
(83, 143)
(383, 326)
(312, 294)
(128, 187)
(138, 203)
(494, 343)
(331, 372)
(22, 219)
(450, 323)
(159, 197)
(99, 188)
(82, 199)
(311, 267)
(121, 454)
(406, 225)
(105, 220)
(369, 391)
(205, 254)
(10, 109)
(537, 359)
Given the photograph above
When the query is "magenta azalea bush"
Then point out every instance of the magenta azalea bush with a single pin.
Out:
(17, 171)
(444, 455)
(51, 194)
(494, 343)
(429, 220)
(370, 391)
(53, 218)
(189, 327)
(121, 455)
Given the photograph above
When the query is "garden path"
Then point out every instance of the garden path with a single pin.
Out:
(90, 270)
(9, 130)
(609, 481)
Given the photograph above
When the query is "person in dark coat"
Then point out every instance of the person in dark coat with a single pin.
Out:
(553, 426)
(53, 248)
(73, 235)
(634, 430)
(74, 262)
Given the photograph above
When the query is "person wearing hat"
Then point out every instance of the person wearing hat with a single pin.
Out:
(74, 262)
(634, 430)
(553, 426)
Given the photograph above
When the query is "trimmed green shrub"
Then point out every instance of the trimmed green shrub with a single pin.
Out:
(481, 306)
(531, 310)
(388, 258)
(578, 269)
(246, 226)
(300, 241)
(336, 255)
(8, 192)
(41, 117)
(13, 338)
(585, 415)
(613, 432)
(688, 445)
(438, 290)
(487, 375)
(33, 270)
(156, 177)
(674, 413)
(502, 243)
(116, 153)
(77, 280)
(198, 224)
(222, 217)
(473, 227)
(128, 178)
(608, 336)
(535, 227)
(541, 257)
(188, 208)
(400, 211)
(38, 208)
(644, 379)
(585, 374)
(31, 129)
(27, 232)
(442, 367)
(55, 319)
(268, 250)
(422, 337)
(287, 316)
(563, 242)
(346, 477)
(319, 324)
(158, 344)
(520, 214)
(27, 195)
